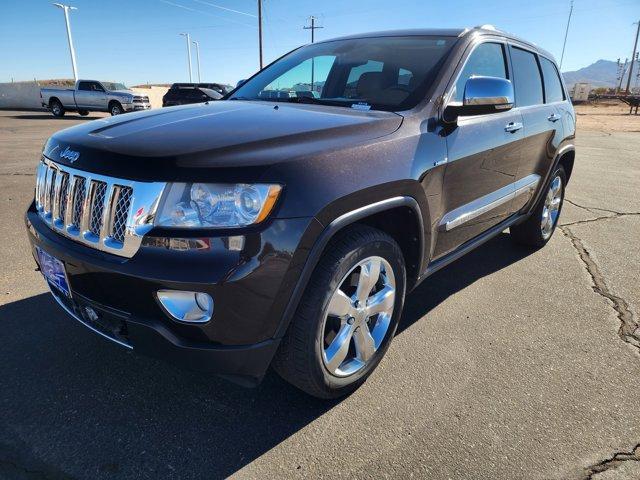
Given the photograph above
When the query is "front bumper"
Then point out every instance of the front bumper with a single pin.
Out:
(250, 289)
(134, 107)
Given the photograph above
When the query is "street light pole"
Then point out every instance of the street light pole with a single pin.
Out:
(188, 37)
(66, 9)
(197, 44)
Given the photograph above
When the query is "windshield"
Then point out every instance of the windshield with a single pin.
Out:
(382, 73)
(114, 86)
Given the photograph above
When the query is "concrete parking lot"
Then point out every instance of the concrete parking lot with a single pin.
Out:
(510, 363)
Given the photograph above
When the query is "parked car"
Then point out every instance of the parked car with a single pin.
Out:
(186, 93)
(93, 96)
(245, 233)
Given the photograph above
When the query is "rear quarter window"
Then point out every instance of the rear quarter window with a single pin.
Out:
(552, 86)
(526, 76)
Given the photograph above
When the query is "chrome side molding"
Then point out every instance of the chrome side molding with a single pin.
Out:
(486, 203)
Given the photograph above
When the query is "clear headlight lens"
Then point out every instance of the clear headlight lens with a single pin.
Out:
(199, 205)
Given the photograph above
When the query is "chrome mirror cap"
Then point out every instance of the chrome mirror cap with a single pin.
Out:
(492, 92)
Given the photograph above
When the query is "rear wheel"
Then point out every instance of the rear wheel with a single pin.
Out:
(347, 316)
(57, 109)
(539, 227)
(115, 109)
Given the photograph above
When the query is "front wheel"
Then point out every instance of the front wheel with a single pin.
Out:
(115, 109)
(347, 316)
(538, 228)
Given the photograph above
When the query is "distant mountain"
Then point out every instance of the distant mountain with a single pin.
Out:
(600, 74)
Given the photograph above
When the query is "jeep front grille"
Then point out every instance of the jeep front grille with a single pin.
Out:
(102, 212)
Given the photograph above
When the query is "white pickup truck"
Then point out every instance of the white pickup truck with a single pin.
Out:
(93, 96)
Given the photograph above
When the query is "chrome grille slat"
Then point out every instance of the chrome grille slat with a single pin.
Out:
(79, 193)
(121, 212)
(96, 210)
(98, 197)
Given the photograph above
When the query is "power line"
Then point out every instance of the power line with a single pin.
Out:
(225, 8)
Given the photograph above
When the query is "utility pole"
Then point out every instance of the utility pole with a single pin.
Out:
(624, 69)
(633, 57)
(260, 30)
(566, 33)
(66, 9)
(197, 44)
(188, 37)
(313, 29)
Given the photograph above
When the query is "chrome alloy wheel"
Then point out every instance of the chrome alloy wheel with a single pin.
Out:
(551, 208)
(56, 109)
(358, 316)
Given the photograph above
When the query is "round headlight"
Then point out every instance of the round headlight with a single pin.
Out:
(248, 202)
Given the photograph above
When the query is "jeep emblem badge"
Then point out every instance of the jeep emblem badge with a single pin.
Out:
(70, 155)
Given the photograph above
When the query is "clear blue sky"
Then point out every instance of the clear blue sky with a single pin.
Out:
(136, 41)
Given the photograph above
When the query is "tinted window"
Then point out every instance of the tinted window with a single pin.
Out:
(383, 73)
(84, 86)
(96, 87)
(552, 86)
(487, 60)
(526, 74)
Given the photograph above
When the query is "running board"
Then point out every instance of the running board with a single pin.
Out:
(465, 248)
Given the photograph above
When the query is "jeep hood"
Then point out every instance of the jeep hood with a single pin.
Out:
(163, 144)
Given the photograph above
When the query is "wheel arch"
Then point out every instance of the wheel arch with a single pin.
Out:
(566, 158)
(111, 102)
(381, 215)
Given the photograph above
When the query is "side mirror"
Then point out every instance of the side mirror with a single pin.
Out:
(482, 96)
(241, 82)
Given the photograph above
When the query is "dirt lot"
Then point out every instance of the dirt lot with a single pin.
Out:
(508, 364)
(606, 116)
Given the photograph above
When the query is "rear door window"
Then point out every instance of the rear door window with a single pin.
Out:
(84, 86)
(552, 86)
(526, 74)
(487, 60)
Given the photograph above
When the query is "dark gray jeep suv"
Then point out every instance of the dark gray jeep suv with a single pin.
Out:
(284, 224)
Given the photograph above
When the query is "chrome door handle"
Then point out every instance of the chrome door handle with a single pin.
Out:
(513, 127)
(553, 117)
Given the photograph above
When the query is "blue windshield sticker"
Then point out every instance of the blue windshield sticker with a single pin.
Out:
(361, 106)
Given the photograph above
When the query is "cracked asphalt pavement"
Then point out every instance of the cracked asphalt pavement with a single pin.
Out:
(508, 364)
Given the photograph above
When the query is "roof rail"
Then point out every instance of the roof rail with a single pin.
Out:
(487, 26)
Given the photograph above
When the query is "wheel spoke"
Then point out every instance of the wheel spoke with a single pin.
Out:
(555, 203)
(369, 273)
(339, 347)
(365, 345)
(555, 186)
(381, 302)
(340, 304)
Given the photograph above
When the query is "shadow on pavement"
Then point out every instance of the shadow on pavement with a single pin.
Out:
(49, 116)
(92, 409)
(495, 255)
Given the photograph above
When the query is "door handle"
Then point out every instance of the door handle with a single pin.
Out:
(553, 117)
(513, 127)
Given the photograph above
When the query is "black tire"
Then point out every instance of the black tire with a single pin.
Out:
(299, 359)
(83, 113)
(57, 109)
(115, 108)
(530, 232)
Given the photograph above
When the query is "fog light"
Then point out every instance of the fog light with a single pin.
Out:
(193, 307)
